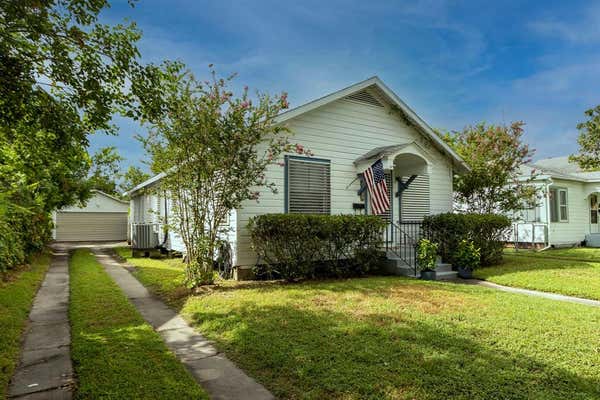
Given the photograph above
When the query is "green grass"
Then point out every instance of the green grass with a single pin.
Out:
(570, 272)
(116, 354)
(17, 291)
(395, 338)
(574, 253)
(164, 277)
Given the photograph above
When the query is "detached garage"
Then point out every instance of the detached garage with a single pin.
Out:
(104, 218)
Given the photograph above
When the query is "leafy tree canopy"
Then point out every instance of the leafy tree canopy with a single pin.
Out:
(589, 141)
(133, 177)
(63, 74)
(495, 154)
(106, 170)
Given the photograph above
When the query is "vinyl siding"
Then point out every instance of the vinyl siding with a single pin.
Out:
(341, 132)
(578, 225)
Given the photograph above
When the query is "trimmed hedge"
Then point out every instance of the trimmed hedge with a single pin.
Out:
(486, 231)
(300, 246)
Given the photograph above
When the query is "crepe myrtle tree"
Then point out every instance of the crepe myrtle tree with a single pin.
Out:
(495, 155)
(215, 147)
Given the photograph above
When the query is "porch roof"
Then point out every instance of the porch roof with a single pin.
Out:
(379, 152)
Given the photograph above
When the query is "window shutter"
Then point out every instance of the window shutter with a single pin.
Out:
(415, 199)
(309, 187)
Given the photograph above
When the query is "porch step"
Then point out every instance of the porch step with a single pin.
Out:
(397, 266)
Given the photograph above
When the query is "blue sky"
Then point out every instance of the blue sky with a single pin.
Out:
(454, 62)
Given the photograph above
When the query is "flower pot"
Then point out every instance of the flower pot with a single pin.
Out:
(428, 275)
(465, 273)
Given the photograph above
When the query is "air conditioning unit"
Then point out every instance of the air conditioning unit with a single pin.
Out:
(144, 236)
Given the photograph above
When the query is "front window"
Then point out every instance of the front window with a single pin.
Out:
(308, 186)
(559, 211)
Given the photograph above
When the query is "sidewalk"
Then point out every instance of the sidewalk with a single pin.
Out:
(45, 370)
(213, 371)
(529, 292)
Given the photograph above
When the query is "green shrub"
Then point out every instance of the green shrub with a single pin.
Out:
(22, 233)
(487, 232)
(426, 255)
(466, 255)
(299, 246)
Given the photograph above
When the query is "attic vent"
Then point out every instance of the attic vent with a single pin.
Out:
(364, 97)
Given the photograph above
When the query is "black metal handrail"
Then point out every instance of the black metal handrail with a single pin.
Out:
(402, 239)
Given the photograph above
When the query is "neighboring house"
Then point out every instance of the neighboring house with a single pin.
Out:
(567, 210)
(346, 131)
(103, 218)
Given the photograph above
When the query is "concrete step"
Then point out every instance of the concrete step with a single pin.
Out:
(397, 266)
(445, 275)
(443, 267)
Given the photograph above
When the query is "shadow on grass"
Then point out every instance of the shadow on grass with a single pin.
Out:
(302, 353)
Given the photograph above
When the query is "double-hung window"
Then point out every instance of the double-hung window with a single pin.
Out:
(308, 185)
(559, 210)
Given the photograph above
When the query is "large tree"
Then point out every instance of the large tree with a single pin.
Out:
(62, 76)
(105, 172)
(215, 147)
(589, 141)
(132, 177)
(495, 154)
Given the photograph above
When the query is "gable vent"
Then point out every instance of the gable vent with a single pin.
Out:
(364, 97)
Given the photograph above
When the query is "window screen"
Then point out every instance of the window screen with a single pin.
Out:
(309, 186)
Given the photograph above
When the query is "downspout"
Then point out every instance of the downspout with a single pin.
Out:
(166, 224)
(549, 180)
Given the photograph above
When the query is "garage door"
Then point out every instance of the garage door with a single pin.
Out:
(90, 226)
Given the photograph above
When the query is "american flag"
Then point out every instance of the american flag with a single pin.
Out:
(375, 179)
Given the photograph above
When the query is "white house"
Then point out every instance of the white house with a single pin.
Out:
(103, 218)
(346, 131)
(567, 211)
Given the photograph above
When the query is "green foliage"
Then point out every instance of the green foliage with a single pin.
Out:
(133, 177)
(106, 170)
(589, 141)
(299, 246)
(426, 255)
(495, 155)
(108, 330)
(486, 231)
(215, 146)
(466, 255)
(62, 76)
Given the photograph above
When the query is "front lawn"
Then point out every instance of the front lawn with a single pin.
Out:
(396, 338)
(17, 291)
(558, 271)
(116, 354)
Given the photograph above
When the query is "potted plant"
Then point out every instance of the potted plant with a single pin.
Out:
(467, 258)
(426, 259)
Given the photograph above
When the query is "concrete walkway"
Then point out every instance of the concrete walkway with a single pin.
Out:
(536, 293)
(212, 370)
(45, 370)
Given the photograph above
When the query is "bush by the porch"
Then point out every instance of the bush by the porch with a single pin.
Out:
(486, 231)
(298, 246)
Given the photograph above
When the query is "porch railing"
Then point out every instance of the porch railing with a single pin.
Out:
(402, 238)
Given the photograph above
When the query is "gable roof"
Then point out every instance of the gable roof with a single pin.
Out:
(100, 192)
(373, 82)
(562, 168)
(407, 112)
